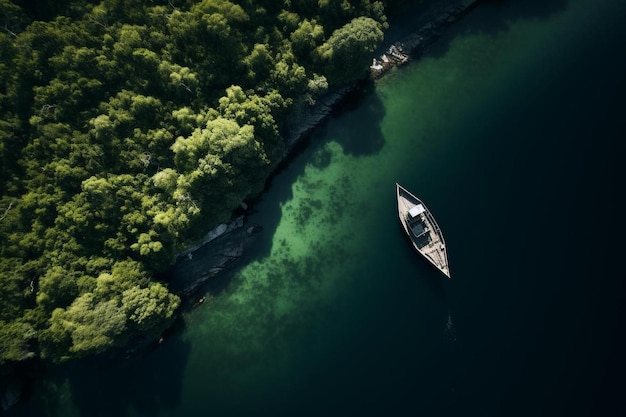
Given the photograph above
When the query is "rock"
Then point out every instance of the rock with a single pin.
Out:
(213, 234)
(442, 18)
(11, 396)
(211, 259)
(440, 14)
(217, 232)
(254, 229)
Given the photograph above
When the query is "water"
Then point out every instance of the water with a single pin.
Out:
(509, 130)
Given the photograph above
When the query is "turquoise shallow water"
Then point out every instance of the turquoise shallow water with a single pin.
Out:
(509, 129)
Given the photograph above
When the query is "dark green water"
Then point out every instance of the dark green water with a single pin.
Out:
(510, 129)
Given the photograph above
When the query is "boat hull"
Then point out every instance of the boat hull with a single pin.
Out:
(422, 230)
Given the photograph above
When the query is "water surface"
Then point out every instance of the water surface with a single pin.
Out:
(509, 129)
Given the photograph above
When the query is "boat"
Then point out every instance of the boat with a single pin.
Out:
(422, 229)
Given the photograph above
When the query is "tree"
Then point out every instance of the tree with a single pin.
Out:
(148, 307)
(288, 76)
(258, 111)
(16, 339)
(260, 62)
(220, 166)
(347, 53)
(14, 287)
(182, 83)
(122, 302)
(308, 36)
(57, 288)
(89, 325)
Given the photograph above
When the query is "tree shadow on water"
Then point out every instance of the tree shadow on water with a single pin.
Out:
(148, 382)
(356, 123)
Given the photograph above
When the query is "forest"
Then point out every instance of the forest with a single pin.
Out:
(128, 129)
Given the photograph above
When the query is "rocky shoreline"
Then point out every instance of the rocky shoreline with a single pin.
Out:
(225, 244)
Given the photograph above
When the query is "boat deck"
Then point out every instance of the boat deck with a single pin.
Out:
(431, 244)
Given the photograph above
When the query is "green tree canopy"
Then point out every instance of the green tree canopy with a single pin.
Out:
(128, 129)
(347, 53)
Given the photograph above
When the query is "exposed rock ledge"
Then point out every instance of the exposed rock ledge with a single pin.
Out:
(226, 243)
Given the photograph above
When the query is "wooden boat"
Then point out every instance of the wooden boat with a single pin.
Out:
(422, 229)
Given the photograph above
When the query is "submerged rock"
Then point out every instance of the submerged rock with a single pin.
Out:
(11, 396)
(9, 400)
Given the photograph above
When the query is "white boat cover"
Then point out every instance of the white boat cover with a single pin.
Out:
(417, 210)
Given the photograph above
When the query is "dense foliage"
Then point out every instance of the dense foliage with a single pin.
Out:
(127, 129)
